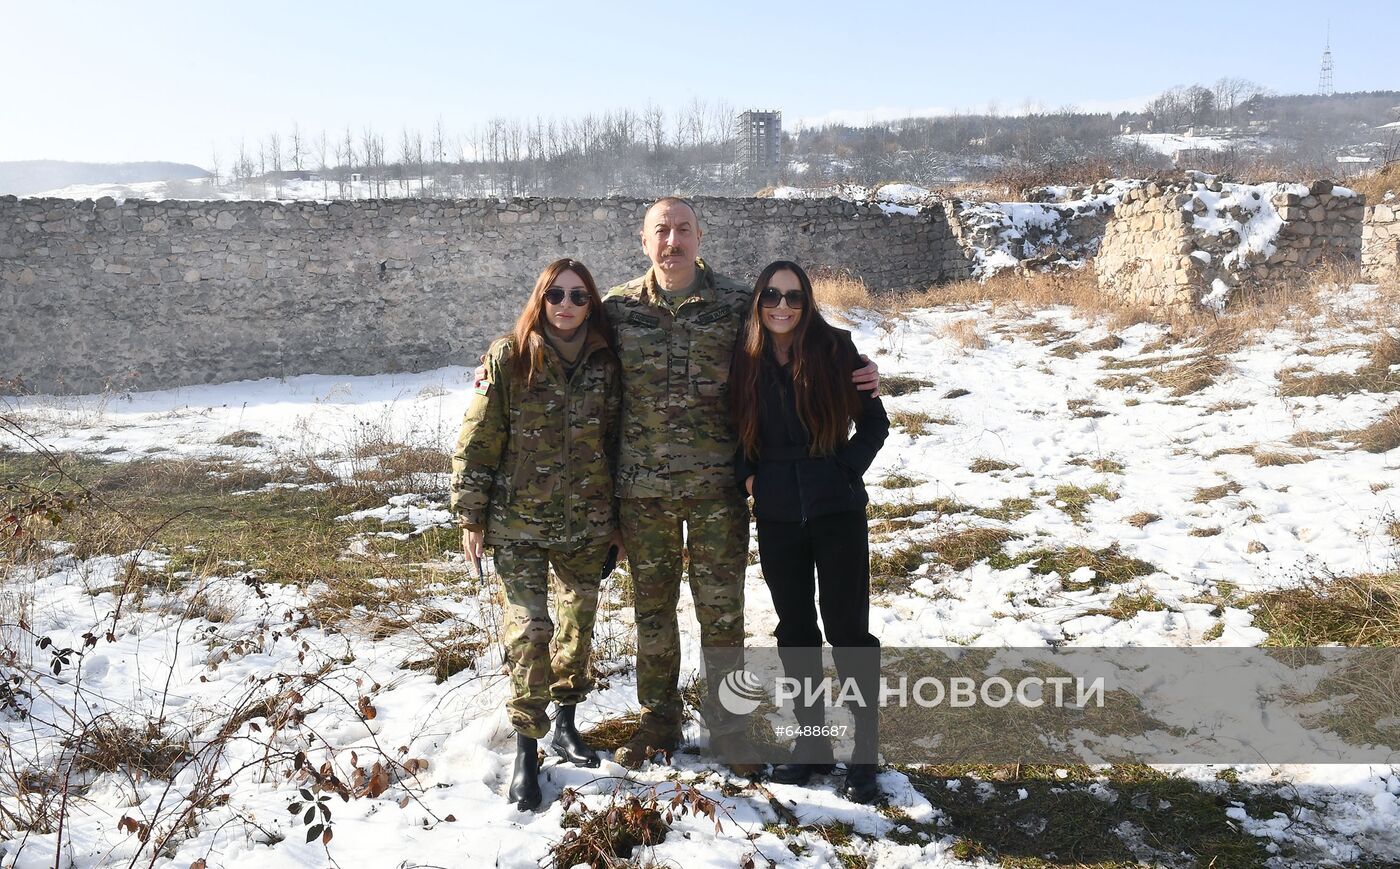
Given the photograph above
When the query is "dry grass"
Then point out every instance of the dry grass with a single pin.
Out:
(895, 385)
(1346, 610)
(240, 438)
(916, 422)
(112, 746)
(840, 291)
(1125, 605)
(1205, 532)
(1110, 565)
(1374, 185)
(1207, 494)
(1381, 436)
(964, 333)
(1074, 501)
(1373, 376)
(1139, 520)
(962, 549)
(1270, 459)
(986, 465)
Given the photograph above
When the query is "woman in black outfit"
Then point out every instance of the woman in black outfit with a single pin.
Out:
(792, 404)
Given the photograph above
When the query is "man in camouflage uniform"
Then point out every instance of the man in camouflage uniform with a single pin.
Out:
(533, 467)
(676, 326)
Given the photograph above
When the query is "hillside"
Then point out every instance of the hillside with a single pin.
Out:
(29, 177)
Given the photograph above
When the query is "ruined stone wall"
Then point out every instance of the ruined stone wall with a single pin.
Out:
(1055, 227)
(1380, 243)
(157, 294)
(1144, 256)
(1194, 243)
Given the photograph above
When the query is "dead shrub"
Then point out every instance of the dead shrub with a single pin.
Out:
(111, 746)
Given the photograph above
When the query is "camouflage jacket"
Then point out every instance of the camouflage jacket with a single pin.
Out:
(537, 464)
(676, 437)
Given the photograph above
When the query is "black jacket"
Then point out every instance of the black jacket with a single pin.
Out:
(789, 484)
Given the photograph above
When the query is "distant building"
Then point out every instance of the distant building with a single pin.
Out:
(759, 137)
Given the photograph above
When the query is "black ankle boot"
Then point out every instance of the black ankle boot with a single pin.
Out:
(525, 780)
(861, 785)
(810, 756)
(567, 743)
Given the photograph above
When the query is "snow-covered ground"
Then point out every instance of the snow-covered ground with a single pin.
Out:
(1170, 143)
(1045, 414)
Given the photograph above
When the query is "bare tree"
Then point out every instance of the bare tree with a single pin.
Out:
(296, 147)
(214, 167)
(322, 168)
(274, 153)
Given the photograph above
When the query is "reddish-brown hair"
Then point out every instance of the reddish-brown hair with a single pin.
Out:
(827, 400)
(527, 363)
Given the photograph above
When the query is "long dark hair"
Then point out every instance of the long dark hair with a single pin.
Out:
(827, 400)
(527, 363)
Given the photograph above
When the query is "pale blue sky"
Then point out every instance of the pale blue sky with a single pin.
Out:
(135, 79)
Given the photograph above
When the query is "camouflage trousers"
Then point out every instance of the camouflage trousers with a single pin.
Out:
(536, 675)
(716, 539)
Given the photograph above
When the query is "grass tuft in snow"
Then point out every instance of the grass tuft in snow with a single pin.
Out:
(1038, 817)
(895, 385)
(1074, 501)
(1110, 565)
(1381, 436)
(1346, 610)
(985, 465)
(1378, 374)
(916, 422)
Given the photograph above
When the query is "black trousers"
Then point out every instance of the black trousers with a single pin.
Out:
(837, 548)
(827, 556)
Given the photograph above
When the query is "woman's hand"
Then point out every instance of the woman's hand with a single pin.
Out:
(748, 485)
(472, 544)
(867, 377)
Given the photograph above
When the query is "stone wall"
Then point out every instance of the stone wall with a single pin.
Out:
(1194, 243)
(1054, 227)
(158, 294)
(1380, 242)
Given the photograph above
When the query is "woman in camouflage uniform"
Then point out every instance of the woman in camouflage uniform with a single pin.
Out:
(532, 477)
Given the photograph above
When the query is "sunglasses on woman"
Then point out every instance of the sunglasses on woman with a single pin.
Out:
(770, 298)
(555, 296)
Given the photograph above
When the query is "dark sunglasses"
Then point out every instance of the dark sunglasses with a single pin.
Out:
(555, 296)
(770, 298)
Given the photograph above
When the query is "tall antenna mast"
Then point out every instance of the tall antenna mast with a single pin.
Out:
(1324, 76)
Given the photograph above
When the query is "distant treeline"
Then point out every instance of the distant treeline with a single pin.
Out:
(693, 149)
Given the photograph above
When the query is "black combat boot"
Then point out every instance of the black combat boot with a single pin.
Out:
(861, 785)
(525, 779)
(863, 665)
(811, 755)
(567, 743)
